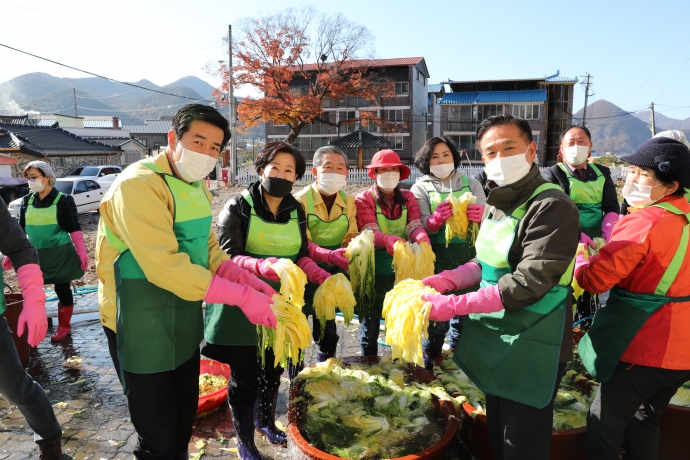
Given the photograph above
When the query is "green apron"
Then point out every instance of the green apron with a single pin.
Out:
(56, 254)
(3, 302)
(587, 197)
(383, 262)
(616, 325)
(227, 325)
(458, 251)
(328, 235)
(158, 331)
(513, 354)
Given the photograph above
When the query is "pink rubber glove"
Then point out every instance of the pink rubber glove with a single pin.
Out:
(33, 316)
(6, 263)
(257, 266)
(232, 272)
(580, 261)
(339, 259)
(419, 236)
(463, 277)
(445, 307)
(384, 240)
(443, 212)
(587, 241)
(315, 274)
(78, 241)
(475, 213)
(255, 305)
(610, 218)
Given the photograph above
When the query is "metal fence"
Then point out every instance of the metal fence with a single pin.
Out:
(360, 176)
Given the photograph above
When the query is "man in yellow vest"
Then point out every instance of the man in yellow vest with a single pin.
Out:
(157, 260)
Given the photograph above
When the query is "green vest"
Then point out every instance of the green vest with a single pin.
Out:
(227, 325)
(587, 197)
(56, 254)
(458, 251)
(616, 325)
(513, 354)
(383, 262)
(3, 302)
(328, 235)
(158, 331)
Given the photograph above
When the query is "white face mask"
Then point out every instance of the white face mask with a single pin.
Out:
(194, 166)
(576, 154)
(388, 181)
(507, 170)
(638, 195)
(35, 185)
(330, 183)
(442, 171)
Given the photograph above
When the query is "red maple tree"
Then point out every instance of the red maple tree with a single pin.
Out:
(297, 59)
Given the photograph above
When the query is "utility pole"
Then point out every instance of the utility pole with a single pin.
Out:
(233, 140)
(586, 85)
(653, 124)
(74, 95)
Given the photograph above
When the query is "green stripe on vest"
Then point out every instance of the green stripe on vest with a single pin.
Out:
(513, 354)
(158, 331)
(56, 254)
(615, 326)
(227, 325)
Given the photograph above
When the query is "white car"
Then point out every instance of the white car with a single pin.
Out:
(87, 194)
(93, 172)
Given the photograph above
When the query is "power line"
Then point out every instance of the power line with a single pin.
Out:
(101, 76)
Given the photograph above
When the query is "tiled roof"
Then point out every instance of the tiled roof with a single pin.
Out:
(393, 62)
(8, 141)
(115, 141)
(150, 127)
(495, 97)
(99, 123)
(435, 88)
(558, 78)
(360, 139)
(37, 139)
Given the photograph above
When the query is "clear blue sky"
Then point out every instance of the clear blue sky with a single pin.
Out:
(637, 51)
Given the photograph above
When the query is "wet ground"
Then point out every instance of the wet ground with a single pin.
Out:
(78, 375)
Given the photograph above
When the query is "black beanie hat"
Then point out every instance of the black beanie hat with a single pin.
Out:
(664, 155)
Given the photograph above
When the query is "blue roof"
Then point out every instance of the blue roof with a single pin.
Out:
(495, 97)
(557, 78)
(435, 88)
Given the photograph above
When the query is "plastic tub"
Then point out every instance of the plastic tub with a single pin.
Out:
(435, 452)
(210, 401)
(15, 303)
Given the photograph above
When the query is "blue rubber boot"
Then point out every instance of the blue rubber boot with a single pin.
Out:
(265, 417)
(243, 420)
(321, 356)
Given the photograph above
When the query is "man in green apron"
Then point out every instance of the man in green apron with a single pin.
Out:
(15, 384)
(332, 223)
(591, 188)
(517, 339)
(157, 262)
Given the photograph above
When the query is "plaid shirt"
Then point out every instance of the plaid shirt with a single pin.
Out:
(67, 216)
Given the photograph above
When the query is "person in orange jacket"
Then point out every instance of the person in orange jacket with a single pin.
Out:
(637, 346)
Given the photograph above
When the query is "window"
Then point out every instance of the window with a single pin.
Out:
(402, 88)
(466, 142)
(100, 161)
(486, 111)
(535, 138)
(307, 144)
(462, 118)
(80, 187)
(396, 142)
(129, 158)
(157, 145)
(351, 101)
(528, 111)
(91, 185)
(347, 116)
(394, 116)
(317, 127)
(145, 142)
(58, 162)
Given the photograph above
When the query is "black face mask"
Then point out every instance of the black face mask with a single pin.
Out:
(277, 187)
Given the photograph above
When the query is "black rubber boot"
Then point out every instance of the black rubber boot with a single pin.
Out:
(265, 417)
(243, 419)
(182, 455)
(321, 357)
(294, 369)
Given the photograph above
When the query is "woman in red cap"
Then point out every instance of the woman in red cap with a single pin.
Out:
(393, 215)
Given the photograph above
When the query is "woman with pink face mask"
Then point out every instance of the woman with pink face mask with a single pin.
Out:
(393, 215)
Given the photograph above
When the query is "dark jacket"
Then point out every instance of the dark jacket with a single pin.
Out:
(13, 241)
(67, 214)
(544, 245)
(609, 201)
(233, 220)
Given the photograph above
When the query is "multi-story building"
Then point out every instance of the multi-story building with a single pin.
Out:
(408, 108)
(433, 111)
(546, 103)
